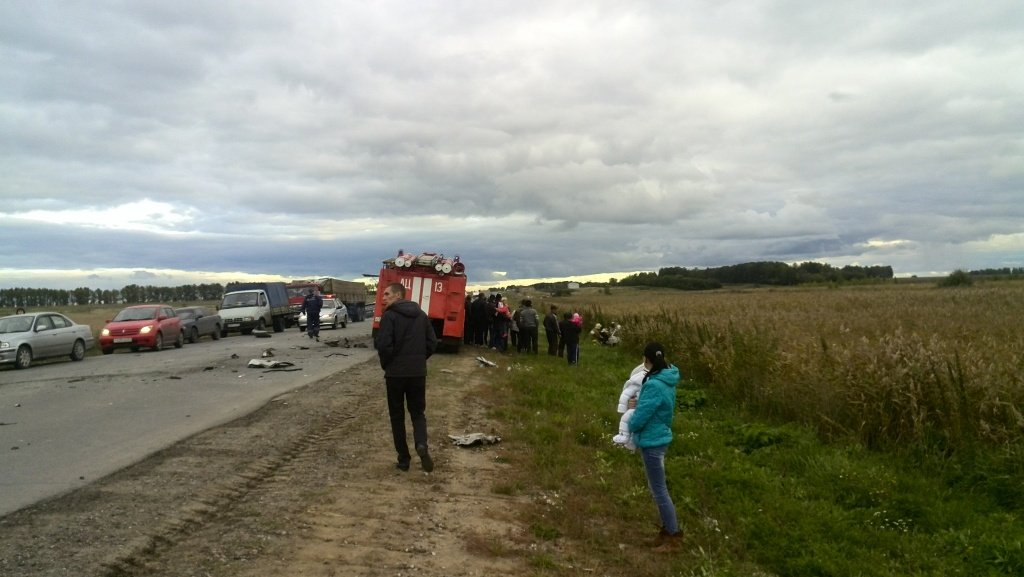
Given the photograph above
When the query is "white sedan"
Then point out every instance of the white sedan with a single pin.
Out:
(26, 337)
(332, 314)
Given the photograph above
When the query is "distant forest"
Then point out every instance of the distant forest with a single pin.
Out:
(131, 294)
(751, 273)
(781, 274)
(756, 273)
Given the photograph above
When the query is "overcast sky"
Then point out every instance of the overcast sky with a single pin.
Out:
(168, 143)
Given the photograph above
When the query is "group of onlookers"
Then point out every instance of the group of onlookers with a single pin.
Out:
(491, 323)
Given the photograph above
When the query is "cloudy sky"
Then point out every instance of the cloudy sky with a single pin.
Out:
(193, 141)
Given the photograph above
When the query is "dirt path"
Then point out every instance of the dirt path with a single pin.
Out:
(306, 486)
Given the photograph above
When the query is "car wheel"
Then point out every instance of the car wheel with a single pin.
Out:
(223, 332)
(261, 325)
(193, 335)
(334, 323)
(78, 351)
(216, 333)
(23, 358)
(135, 349)
(344, 324)
(180, 341)
(159, 345)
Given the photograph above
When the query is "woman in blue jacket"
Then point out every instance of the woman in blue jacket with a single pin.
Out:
(651, 426)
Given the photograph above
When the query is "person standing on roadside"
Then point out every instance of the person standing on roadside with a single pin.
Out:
(478, 311)
(570, 340)
(490, 308)
(467, 321)
(404, 342)
(502, 321)
(651, 430)
(551, 330)
(311, 306)
(513, 328)
(528, 327)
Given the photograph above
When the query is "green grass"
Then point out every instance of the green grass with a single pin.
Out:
(754, 496)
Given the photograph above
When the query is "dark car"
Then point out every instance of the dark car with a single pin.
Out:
(148, 326)
(199, 321)
(26, 337)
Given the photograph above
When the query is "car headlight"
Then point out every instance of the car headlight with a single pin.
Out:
(145, 330)
(5, 345)
(105, 332)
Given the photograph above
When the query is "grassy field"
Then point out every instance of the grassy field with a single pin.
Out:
(867, 431)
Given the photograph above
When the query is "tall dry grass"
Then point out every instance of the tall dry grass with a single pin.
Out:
(892, 365)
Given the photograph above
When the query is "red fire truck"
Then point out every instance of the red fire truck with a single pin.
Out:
(436, 283)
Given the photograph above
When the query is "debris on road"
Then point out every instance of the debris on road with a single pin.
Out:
(263, 364)
(473, 439)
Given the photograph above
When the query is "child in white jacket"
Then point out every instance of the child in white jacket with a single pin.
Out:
(630, 390)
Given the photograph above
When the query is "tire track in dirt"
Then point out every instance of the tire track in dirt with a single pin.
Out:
(339, 507)
(216, 498)
(304, 486)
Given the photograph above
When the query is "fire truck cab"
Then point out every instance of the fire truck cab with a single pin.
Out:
(437, 284)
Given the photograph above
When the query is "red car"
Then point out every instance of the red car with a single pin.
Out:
(148, 326)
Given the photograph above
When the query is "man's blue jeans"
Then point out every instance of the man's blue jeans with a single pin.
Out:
(654, 466)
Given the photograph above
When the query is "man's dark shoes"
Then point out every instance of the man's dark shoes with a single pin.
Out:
(425, 461)
(402, 465)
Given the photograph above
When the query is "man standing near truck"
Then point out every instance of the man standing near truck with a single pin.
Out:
(404, 342)
(311, 306)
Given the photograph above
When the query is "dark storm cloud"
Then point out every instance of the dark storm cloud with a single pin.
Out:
(536, 139)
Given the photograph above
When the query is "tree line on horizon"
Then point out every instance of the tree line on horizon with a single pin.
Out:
(130, 294)
(756, 273)
(759, 273)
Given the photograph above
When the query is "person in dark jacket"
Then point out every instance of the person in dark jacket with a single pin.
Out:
(479, 313)
(570, 338)
(404, 342)
(528, 318)
(467, 321)
(551, 330)
(311, 306)
(651, 429)
(489, 310)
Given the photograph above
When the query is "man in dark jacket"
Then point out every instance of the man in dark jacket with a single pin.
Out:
(311, 306)
(570, 341)
(528, 321)
(551, 330)
(480, 320)
(404, 342)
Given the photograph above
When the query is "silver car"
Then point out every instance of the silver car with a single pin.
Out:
(26, 337)
(332, 314)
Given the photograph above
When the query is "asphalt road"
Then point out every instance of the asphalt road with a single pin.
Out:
(64, 425)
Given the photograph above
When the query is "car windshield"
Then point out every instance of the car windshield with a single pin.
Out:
(297, 292)
(142, 314)
(235, 300)
(15, 324)
(330, 305)
(186, 315)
